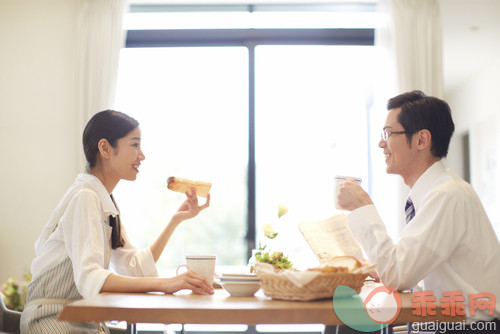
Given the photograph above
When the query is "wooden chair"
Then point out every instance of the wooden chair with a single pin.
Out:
(9, 320)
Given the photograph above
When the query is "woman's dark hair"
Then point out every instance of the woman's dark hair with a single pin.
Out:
(418, 112)
(110, 125)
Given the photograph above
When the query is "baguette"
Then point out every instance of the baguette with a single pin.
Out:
(182, 185)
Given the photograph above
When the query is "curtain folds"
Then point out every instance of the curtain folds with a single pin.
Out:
(99, 38)
(409, 48)
(416, 42)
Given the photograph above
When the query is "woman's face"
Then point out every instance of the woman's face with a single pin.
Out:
(127, 156)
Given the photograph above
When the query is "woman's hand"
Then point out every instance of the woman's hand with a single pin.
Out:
(188, 280)
(190, 207)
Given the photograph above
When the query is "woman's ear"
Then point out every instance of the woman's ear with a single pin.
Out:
(424, 139)
(105, 148)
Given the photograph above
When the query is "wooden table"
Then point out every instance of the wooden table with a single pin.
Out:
(220, 308)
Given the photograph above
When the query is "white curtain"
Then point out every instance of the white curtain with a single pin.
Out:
(409, 45)
(99, 38)
(416, 34)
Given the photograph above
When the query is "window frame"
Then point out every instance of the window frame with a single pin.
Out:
(249, 38)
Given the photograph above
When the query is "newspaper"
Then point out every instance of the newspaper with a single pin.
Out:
(331, 237)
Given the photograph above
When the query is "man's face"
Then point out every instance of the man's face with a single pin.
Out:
(399, 155)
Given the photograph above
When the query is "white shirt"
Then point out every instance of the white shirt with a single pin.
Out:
(79, 229)
(450, 244)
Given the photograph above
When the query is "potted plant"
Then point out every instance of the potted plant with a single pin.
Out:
(264, 254)
(14, 293)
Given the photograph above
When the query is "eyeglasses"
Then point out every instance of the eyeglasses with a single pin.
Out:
(385, 134)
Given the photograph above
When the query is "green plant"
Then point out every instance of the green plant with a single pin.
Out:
(14, 294)
(276, 258)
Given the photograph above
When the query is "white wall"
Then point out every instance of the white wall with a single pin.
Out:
(477, 98)
(472, 39)
(476, 106)
(37, 122)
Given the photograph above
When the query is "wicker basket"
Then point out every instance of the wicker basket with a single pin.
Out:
(279, 286)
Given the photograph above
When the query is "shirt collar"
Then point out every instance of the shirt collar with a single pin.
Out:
(94, 183)
(417, 193)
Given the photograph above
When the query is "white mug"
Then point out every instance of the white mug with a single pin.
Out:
(339, 181)
(201, 264)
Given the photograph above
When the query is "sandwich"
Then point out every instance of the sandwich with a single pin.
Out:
(182, 185)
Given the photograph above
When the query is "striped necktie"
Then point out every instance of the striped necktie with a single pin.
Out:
(409, 210)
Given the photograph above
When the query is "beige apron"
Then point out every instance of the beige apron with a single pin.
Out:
(47, 295)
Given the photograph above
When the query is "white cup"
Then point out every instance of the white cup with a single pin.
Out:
(201, 264)
(339, 181)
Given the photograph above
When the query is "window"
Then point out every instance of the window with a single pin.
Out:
(192, 107)
(269, 115)
(310, 124)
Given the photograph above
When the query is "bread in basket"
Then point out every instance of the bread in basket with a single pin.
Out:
(312, 284)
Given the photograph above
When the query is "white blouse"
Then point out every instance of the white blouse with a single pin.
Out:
(450, 244)
(79, 229)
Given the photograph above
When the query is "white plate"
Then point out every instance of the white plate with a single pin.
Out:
(236, 279)
(238, 274)
(246, 276)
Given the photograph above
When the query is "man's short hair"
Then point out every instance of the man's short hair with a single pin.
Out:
(418, 112)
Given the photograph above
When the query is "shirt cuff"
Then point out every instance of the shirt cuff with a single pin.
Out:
(94, 282)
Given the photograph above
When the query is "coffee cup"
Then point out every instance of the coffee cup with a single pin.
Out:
(339, 181)
(201, 264)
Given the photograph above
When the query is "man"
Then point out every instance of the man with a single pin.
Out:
(448, 242)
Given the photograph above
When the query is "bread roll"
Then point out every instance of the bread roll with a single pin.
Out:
(330, 269)
(349, 262)
(338, 264)
(182, 185)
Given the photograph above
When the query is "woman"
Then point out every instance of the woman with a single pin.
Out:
(84, 237)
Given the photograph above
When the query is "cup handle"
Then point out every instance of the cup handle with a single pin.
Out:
(179, 267)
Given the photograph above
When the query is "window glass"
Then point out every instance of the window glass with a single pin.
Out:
(311, 124)
(192, 105)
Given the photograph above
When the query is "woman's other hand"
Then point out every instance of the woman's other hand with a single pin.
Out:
(188, 280)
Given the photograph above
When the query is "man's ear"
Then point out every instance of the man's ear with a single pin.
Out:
(424, 139)
(105, 148)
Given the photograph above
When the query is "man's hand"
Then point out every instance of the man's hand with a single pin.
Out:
(351, 196)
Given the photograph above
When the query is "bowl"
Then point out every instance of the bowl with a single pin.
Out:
(241, 289)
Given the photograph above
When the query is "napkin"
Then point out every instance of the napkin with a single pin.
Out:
(299, 278)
